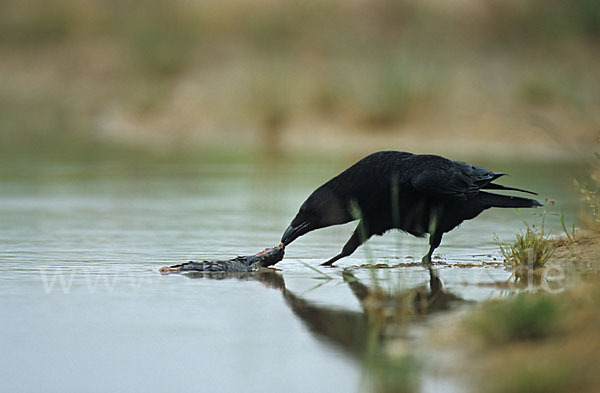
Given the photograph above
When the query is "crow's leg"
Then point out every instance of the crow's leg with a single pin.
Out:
(434, 241)
(350, 246)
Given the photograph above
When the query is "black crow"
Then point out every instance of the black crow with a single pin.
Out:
(418, 194)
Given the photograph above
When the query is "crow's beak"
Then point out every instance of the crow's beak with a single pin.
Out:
(293, 232)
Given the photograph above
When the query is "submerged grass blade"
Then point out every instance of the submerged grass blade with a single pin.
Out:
(323, 275)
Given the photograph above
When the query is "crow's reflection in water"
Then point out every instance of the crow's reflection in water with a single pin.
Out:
(371, 336)
(383, 315)
(376, 337)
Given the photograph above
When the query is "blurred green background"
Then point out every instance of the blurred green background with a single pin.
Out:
(475, 77)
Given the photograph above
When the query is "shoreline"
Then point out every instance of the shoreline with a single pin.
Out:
(490, 351)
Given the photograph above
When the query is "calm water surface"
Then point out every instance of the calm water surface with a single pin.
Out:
(84, 308)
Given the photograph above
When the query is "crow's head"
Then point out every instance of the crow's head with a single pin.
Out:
(323, 208)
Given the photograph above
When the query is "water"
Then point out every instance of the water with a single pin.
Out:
(84, 308)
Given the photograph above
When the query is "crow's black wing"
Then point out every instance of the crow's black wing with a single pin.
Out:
(443, 178)
(483, 178)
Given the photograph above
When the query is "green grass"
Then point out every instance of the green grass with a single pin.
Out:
(522, 317)
(393, 374)
(530, 251)
(570, 233)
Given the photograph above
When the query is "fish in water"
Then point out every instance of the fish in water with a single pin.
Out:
(241, 264)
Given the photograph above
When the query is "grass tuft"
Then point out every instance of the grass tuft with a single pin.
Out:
(530, 251)
(523, 317)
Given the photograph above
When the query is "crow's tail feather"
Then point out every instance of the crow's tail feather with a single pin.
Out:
(489, 199)
(492, 186)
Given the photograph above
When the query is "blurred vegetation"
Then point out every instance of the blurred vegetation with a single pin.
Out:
(193, 72)
(539, 343)
(522, 317)
(591, 195)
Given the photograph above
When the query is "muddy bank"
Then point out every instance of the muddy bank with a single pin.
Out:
(529, 341)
